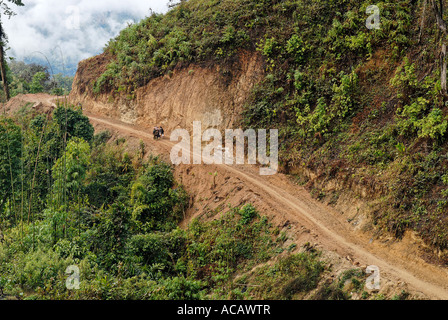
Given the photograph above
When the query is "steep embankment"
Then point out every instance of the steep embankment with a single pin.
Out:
(196, 93)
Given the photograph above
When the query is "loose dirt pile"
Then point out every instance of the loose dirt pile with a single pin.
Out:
(39, 102)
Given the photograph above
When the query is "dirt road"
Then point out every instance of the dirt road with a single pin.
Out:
(290, 204)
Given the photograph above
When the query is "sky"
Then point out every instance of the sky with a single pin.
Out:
(65, 32)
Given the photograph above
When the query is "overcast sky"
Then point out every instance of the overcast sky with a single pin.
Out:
(70, 30)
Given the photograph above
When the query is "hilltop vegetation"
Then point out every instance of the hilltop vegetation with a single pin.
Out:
(363, 106)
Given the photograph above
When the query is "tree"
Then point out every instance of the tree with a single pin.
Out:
(70, 171)
(10, 152)
(64, 84)
(74, 123)
(438, 12)
(7, 11)
(37, 85)
(25, 72)
(154, 201)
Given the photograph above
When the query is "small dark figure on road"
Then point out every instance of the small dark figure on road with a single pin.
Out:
(156, 133)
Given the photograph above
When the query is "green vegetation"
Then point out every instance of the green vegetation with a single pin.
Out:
(289, 278)
(354, 104)
(33, 78)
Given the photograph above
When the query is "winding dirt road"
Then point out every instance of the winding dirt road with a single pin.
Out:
(313, 221)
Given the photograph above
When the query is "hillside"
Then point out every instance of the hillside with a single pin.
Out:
(358, 109)
(93, 207)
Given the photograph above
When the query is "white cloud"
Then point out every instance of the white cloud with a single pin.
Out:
(71, 29)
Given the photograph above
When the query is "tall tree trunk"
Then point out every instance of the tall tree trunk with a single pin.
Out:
(422, 23)
(2, 63)
(443, 68)
(438, 12)
(3, 73)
